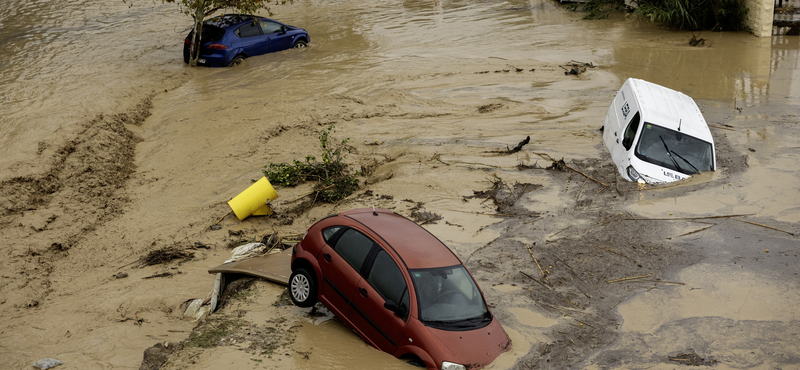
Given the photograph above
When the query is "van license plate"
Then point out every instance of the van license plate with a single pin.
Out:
(201, 60)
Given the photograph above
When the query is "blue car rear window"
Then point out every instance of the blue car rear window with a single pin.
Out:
(210, 33)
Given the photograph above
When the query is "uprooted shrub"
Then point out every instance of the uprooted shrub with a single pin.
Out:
(334, 179)
(165, 255)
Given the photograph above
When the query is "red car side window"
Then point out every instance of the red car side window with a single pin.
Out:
(329, 232)
(354, 247)
(387, 279)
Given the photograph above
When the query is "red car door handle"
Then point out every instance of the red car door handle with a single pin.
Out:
(362, 291)
(326, 256)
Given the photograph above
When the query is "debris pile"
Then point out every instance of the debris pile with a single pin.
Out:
(575, 67)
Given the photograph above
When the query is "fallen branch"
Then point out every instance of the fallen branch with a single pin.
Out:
(568, 301)
(562, 230)
(629, 278)
(547, 156)
(534, 279)
(520, 145)
(581, 189)
(580, 290)
(498, 214)
(688, 218)
(560, 307)
(573, 272)
(477, 163)
(537, 262)
(613, 251)
(721, 127)
(768, 227)
(311, 192)
(608, 220)
(665, 282)
(696, 231)
(221, 218)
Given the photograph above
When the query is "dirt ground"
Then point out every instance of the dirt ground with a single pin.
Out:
(583, 269)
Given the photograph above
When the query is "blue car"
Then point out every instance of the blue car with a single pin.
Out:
(229, 39)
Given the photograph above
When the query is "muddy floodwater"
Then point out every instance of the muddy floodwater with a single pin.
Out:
(110, 147)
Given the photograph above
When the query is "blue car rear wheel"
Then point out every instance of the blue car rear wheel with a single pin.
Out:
(237, 60)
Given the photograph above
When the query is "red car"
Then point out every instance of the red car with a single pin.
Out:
(398, 287)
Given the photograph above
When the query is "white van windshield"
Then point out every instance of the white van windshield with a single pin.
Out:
(674, 150)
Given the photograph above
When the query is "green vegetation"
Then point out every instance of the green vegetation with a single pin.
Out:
(695, 15)
(210, 333)
(335, 182)
(598, 9)
(692, 15)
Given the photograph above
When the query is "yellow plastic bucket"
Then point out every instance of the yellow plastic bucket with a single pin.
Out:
(254, 200)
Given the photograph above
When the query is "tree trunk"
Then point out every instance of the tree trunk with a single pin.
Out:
(194, 50)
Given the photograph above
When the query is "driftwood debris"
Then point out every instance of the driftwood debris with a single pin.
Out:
(520, 145)
(512, 150)
(629, 278)
(697, 231)
(575, 67)
(165, 255)
(696, 40)
(537, 262)
(692, 359)
(560, 165)
(613, 251)
(768, 227)
(665, 282)
(534, 279)
(685, 218)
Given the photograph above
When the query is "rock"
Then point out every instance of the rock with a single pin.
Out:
(157, 355)
(47, 363)
(121, 275)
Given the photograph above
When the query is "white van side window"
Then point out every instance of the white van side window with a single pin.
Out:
(630, 132)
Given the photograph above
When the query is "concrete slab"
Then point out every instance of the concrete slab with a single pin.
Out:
(272, 267)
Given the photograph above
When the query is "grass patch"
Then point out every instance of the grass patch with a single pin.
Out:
(210, 333)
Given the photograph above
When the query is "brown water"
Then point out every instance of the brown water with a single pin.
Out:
(408, 73)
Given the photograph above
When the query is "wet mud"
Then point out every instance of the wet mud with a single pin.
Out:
(127, 156)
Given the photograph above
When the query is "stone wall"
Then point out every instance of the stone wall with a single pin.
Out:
(759, 17)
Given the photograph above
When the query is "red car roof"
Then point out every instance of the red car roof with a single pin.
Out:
(417, 247)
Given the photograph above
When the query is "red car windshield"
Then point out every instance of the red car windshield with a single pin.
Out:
(449, 299)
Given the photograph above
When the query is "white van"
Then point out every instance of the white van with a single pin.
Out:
(656, 134)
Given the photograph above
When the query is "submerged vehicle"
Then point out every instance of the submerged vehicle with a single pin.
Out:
(656, 134)
(229, 39)
(398, 287)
